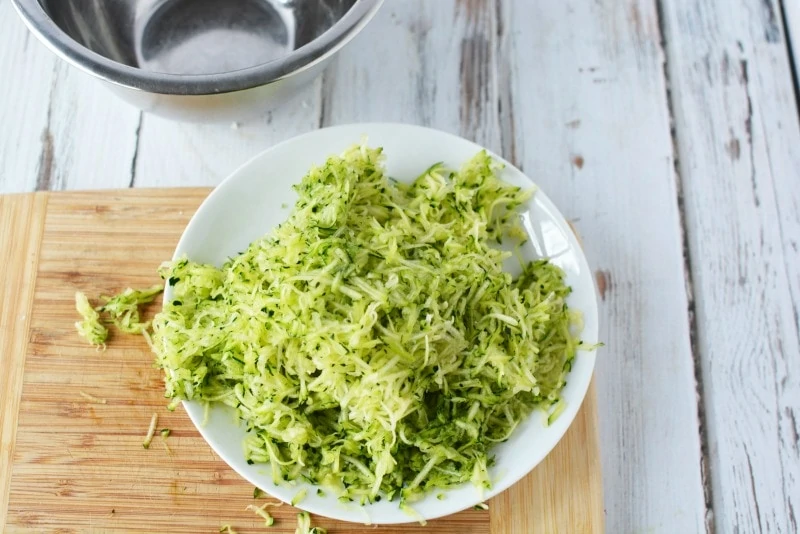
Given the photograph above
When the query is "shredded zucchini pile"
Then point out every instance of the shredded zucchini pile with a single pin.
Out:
(373, 343)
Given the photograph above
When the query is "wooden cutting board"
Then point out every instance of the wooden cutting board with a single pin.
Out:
(70, 464)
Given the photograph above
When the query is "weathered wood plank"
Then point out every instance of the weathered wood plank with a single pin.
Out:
(442, 70)
(69, 131)
(584, 112)
(186, 154)
(91, 135)
(737, 137)
(26, 77)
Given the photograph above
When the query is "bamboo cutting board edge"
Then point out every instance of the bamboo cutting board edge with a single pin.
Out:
(21, 230)
(581, 508)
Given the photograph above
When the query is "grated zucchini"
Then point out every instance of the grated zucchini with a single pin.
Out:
(260, 511)
(304, 525)
(151, 431)
(90, 328)
(298, 498)
(373, 343)
(123, 309)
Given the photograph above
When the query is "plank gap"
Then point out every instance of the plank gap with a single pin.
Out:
(137, 135)
(505, 96)
(792, 38)
(44, 176)
(705, 474)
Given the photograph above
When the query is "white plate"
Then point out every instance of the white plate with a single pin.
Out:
(249, 203)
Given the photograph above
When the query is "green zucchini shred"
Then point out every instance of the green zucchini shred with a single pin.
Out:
(261, 512)
(123, 309)
(90, 328)
(373, 343)
(298, 498)
(304, 525)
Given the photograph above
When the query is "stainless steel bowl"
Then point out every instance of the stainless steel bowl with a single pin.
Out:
(199, 59)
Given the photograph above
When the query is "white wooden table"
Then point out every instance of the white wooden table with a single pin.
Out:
(666, 130)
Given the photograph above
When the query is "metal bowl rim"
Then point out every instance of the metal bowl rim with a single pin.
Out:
(303, 58)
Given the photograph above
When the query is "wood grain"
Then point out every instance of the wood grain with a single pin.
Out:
(584, 113)
(79, 466)
(21, 224)
(91, 137)
(737, 137)
(565, 471)
(442, 71)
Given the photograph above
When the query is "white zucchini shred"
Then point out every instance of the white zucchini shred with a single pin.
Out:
(372, 343)
(411, 512)
(367, 519)
(227, 529)
(260, 511)
(165, 433)
(151, 431)
(558, 409)
(90, 328)
(298, 498)
(92, 398)
(206, 413)
(304, 525)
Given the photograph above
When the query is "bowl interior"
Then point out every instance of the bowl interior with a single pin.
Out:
(195, 36)
(257, 197)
